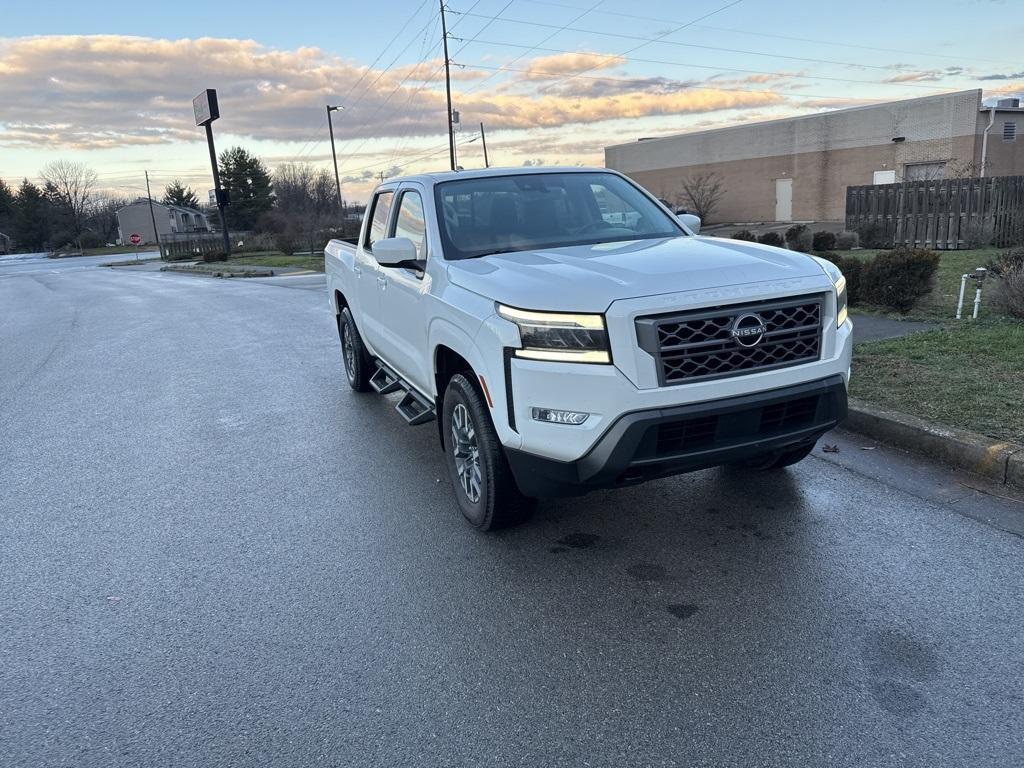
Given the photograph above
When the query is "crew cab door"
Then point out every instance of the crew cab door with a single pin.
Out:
(368, 272)
(403, 295)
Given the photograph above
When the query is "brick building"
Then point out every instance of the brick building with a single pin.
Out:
(798, 169)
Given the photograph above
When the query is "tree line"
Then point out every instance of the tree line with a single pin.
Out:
(296, 204)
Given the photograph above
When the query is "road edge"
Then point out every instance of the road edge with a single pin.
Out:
(996, 460)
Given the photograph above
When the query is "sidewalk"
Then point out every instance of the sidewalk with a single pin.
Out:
(875, 327)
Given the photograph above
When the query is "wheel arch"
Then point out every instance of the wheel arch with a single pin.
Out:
(447, 363)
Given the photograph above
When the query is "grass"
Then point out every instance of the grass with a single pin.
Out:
(969, 376)
(272, 259)
(941, 303)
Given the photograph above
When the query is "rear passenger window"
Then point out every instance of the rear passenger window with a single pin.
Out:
(379, 221)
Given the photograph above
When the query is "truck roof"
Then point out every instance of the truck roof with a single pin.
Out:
(436, 177)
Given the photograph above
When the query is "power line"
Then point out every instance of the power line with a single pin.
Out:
(633, 80)
(788, 75)
(648, 41)
(490, 77)
(733, 30)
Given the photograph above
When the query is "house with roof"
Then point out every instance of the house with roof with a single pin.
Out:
(171, 220)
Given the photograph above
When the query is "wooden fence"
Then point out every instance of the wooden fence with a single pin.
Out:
(941, 213)
(191, 246)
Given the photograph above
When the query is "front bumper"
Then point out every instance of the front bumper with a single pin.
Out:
(647, 444)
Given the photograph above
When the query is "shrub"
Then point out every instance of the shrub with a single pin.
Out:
(871, 236)
(744, 234)
(1009, 291)
(896, 279)
(798, 238)
(1007, 262)
(853, 270)
(772, 238)
(823, 240)
(846, 241)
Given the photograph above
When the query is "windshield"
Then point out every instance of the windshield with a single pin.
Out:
(500, 214)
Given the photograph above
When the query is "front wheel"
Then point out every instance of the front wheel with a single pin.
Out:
(484, 487)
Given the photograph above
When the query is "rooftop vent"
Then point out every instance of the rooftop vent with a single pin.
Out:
(1008, 104)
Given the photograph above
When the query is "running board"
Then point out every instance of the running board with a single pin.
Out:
(413, 407)
(385, 382)
(414, 410)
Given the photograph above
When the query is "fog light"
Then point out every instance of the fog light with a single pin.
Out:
(559, 417)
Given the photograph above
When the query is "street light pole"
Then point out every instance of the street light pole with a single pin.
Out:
(334, 154)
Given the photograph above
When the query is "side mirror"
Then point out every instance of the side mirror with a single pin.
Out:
(690, 221)
(394, 252)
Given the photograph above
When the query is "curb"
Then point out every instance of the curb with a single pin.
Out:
(996, 460)
(248, 272)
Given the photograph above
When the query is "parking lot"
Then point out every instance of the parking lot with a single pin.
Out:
(214, 553)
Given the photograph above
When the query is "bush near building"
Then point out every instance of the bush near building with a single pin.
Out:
(744, 234)
(846, 241)
(1008, 271)
(772, 238)
(823, 240)
(798, 238)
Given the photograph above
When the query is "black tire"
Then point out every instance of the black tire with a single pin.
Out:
(498, 502)
(767, 462)
(354, 356)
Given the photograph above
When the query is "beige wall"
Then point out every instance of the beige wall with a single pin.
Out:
(820, 179)
(823, 154)
(1005, 158)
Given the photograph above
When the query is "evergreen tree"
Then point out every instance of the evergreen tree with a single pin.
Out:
(6, 207)
(30, 224)
(177, 193)
(247, 180)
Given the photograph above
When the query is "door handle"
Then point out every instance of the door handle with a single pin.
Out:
(358, 270)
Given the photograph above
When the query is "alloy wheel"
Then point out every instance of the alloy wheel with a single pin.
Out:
(466, 452)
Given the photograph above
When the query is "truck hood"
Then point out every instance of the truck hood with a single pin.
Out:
(588, 278)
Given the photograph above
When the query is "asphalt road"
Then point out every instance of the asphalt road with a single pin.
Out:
(213, 554)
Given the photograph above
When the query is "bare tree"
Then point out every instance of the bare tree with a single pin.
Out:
(103, 216)
(702, 193)
(72, 187)
(305, 204)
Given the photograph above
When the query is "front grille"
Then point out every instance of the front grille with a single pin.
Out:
(733, 340)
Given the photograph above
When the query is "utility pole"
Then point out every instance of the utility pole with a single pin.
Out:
(448, 87)
(152, 216)
(483, 136)
(334, 154)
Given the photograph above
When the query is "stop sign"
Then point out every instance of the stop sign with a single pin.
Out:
(135, 237)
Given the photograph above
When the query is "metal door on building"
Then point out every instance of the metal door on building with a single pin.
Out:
(783, 199)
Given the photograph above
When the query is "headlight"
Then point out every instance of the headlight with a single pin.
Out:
(568, 338)
(840, 284)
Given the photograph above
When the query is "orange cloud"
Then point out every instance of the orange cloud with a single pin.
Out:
(562, 64)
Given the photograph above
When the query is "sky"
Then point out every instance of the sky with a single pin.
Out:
(111, 83)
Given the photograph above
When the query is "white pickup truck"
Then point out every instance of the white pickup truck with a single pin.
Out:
(569, 332)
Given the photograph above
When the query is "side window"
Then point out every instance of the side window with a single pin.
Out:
(379, 219)
(411, 223)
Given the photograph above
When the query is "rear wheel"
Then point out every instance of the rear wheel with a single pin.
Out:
(484, 487)
(778, 459)
(353, 353)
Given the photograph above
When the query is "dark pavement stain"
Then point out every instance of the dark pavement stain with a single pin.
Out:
(682, 610)
(556, 550)
(897, 663)
(579, 540)
(647, 572)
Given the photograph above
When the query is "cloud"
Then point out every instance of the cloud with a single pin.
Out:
(562, 64)
(108, 91)
(1006, 76)
(922, 76)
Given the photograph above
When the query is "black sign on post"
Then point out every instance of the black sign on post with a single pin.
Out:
(207, 110)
